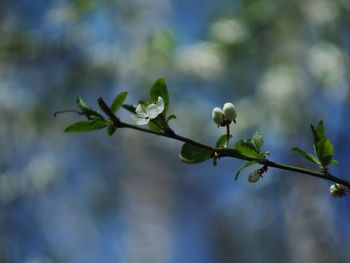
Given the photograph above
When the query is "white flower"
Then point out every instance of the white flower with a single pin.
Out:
(226, 116)
(230, 112)
(143, 114)
(218, 116)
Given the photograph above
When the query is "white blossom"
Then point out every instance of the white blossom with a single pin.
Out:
(230, 112)
(143, 114)
(225, 116)
(218, 116)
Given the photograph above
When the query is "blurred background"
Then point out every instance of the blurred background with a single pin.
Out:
(128, 198)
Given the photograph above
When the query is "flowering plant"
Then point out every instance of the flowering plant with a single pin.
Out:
(154, 114)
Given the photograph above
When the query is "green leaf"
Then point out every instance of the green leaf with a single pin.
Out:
(81, 103)
(158, 124)
(129, 107)
(154, 126)
(258, 141)
(222, 141)
(194, 154)
(323, 148)
(111, 129)
(89, 112)
(318, 132)
(86, 126)
(159, 88)
(324, 151)
(247, 149)
(118, 101)
(171, 117)
(252, 147)
(333, 162)
(308, 156)
(247, 164)
(144, 103)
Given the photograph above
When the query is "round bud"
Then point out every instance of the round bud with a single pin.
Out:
(218, 116)
(254, 177)
(333, 190)
(337, 190)
(230, 112)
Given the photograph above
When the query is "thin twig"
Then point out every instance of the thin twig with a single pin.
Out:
(221, 152)
(66, 111)
(228, 134)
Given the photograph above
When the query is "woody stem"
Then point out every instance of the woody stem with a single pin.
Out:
(119, 124)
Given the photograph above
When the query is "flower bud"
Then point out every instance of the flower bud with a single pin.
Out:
(254, 177)
(218, 116)
(338, 190)
(230, 112)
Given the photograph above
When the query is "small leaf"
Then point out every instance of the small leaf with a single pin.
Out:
(247, 149)
(318, 132)
(158, 124)
(308, 156)
(81, 103)
(144, 103)
(129, 107)
(320, 129)
(111, 129)
(252, 147)
(159, 88)
(154, 126)
(324, 151)
(333, 162)
(86, 126)
(222, 141)
(247, 164)
(118, 101)
(194, 154)
(171, 117)
(89, 112)
(258, 141)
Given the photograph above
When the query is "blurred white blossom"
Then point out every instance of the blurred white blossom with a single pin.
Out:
(204, 60)
(230, 31)
(280, 84)
(320, 12)
(327, 63)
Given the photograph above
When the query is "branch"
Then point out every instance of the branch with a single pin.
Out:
(222, 153)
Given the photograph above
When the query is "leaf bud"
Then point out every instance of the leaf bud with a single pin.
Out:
(254, 177)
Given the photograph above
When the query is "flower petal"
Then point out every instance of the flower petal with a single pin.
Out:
(140, 109)
(160, 104)
(152, 111)
(140, 120)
